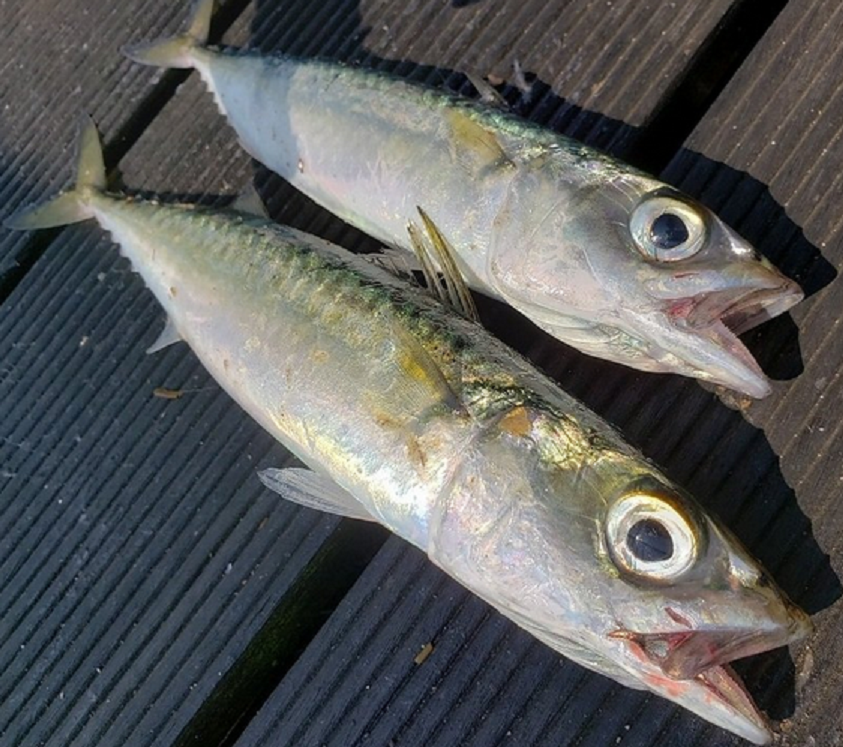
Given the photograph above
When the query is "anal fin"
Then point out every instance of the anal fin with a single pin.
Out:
(169, 335)
(310, 489)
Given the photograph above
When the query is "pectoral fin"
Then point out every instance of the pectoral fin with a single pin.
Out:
(476, 147)
(310, 489)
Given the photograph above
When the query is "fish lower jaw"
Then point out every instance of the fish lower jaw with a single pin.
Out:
(730, 363)
(718, 318)
(745, 719)
(691, 668)
(718, 695)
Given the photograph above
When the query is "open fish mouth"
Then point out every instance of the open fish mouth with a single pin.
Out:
(685, 655)
(720, 316)
(742, 309)
(692, 668)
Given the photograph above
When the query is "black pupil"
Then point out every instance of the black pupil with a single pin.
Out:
(668, 231)
(649, 540)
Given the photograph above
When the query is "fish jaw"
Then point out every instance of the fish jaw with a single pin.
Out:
(718, 696)
(702, 330)
(688, 661)
(695, 336)
(694, 318)
(687, 676)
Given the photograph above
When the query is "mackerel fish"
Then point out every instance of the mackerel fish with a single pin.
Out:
(411, 415)
(599, 255)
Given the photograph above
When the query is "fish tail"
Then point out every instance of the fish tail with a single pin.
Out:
(176, 51)
(73, 205)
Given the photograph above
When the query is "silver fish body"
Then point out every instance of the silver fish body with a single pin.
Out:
(598, 254)
(415, 417)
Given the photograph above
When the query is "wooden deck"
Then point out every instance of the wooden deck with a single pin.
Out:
(152, 593)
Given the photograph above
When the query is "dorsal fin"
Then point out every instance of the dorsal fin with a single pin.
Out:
(396, 262)
(250, 202)
(433, 250)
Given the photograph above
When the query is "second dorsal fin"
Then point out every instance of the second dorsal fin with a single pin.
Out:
(250, 202)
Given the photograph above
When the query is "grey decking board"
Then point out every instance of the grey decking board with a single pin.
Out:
(786, 101)
(661, 414)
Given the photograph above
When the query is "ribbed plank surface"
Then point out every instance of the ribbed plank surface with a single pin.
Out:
(139, 553)
(58, 61)
(489, 683)
(786, 104)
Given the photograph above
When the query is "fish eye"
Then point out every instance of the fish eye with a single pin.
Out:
(666, 228)
(652, 537)
(649, 540)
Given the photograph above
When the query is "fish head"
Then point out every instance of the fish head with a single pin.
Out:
(586, 545)
(687, 599)
(634, 271)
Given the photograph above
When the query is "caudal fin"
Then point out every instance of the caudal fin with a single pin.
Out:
(176, 51)
(71, 206)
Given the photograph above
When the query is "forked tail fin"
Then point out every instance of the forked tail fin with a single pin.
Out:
(70, 206)
(176, 51)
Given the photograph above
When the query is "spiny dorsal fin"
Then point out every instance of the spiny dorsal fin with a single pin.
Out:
(395, 261)
(428, 269)
(433, 249)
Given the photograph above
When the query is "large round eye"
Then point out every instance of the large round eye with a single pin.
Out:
(666, 228)
(652, 536)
